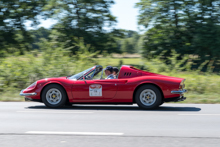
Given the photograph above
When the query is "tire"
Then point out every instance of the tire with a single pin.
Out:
(54, 96)
(148, 97)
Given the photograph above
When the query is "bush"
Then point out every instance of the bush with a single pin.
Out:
(18, 72)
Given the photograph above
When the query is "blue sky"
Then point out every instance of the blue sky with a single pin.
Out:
(124, 11)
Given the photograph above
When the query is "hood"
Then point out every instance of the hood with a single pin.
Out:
(55, 78)
(52, 79)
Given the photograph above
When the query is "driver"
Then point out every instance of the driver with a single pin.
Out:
(108, 72)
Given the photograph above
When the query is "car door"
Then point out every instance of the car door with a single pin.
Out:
(95, 90)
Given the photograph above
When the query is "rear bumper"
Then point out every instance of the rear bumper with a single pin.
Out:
(181, 98)
(27, 94)
(175, 99)
(179, 91)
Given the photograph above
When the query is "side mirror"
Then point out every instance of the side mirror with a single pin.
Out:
(83, 77)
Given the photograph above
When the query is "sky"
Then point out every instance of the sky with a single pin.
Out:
(126, 14)
(123, 9)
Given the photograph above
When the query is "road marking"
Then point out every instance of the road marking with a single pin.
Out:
(74, 133)
(202, 114)
(50, 112)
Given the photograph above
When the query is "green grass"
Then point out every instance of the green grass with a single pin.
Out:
(11, 96)
(208, 98)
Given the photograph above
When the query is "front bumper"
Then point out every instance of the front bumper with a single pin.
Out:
(179, 91)
(34, 100)
(27, 94)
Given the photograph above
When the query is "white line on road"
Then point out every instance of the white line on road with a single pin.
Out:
(50, 112)
(202, 114)
(73, 133)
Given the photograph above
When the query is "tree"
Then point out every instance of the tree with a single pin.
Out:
(128, 41)
(13, 15)
(126, 46)
(140, 44)
(189, 27)
(87, 19)
(37, 35)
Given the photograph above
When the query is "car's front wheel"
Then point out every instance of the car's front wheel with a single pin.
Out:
(148, 97)
(54, 96)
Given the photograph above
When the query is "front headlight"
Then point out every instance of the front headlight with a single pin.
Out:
(182, 85)
(32, 86)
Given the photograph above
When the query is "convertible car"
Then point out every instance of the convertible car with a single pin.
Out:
(132, 85)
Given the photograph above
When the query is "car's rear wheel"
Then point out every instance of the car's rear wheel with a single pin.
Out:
(54, 96)
(148, 97)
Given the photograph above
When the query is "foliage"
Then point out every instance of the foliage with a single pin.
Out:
(75, 18)
(37, 35)
(188, 27)
(87, 19)
(130, 43)
(13, 14)
(18, 72)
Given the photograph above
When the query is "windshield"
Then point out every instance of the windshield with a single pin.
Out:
(77, 76)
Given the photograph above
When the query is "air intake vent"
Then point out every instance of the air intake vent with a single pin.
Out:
(127, 74)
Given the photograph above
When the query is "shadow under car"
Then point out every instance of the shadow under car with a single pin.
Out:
(117, 108)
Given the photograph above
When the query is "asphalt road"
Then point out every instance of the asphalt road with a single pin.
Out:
(25, 124)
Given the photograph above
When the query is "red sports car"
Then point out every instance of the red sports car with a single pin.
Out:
(148, 90)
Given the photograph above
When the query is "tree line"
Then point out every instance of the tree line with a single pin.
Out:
(127, 41)
(75, 18)
(189, 27)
